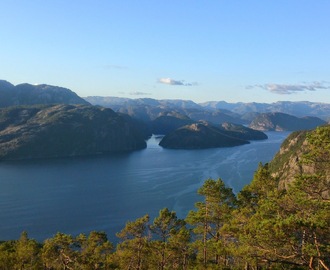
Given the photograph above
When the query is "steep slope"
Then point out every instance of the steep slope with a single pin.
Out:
(28, 94)
(64, 130)
(294, 156)
(199, 136)
(284, 122)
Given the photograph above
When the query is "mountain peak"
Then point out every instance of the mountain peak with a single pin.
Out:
(5, 84)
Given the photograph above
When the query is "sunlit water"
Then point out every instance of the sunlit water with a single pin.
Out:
(78, 195)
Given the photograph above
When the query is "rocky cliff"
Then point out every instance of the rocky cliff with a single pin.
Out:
(294, 157)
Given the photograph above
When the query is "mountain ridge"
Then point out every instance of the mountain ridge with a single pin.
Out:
(296, 108)
(28, 94)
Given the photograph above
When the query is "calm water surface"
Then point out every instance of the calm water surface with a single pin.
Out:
(78, 195)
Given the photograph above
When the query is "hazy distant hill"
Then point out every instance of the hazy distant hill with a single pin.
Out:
(148, 109)
(116, 102)
(28, 94)
(64, 130)
(169, 122)
(247, 111)
(282, 122)
(299, 109)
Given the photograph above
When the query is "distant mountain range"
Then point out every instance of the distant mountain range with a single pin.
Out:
(282, 121)
(298, 109)
(168, 114)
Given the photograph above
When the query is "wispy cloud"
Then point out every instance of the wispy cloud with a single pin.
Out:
(114, 67)
(137, 93)
(287, 89)
(170, 81)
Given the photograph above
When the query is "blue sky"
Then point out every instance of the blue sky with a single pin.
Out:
(262, 51)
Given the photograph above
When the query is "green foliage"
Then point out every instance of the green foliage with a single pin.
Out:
(95, 251)
(7, 255)
(169, 249)
(21, 254)
(59, 252)
(27, 253)
(288, 228)
(133, 249)
(208, 220)
(319, 148)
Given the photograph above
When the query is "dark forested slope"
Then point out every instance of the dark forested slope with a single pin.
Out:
(198, 136)
(64, 130)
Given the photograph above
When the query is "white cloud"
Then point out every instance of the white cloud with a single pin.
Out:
(170, 81)
(287, 89)
(137, 93)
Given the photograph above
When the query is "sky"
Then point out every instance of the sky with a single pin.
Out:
(213, 50)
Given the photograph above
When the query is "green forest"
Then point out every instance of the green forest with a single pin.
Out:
(262, 227)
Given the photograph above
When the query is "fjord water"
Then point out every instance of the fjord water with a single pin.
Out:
(78, 195)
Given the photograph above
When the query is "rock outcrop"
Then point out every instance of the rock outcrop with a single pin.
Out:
(290, 161)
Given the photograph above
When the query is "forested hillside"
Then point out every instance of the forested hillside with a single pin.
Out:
(49, 131)
(264, 226)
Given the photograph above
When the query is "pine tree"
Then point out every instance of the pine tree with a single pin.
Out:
(27, 253)
(59, 252)
(132, 250)
(95, 251)
(165, 227)
(208, 220)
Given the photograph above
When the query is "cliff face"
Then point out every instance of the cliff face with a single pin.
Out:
(290, 161)
(64, 130)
